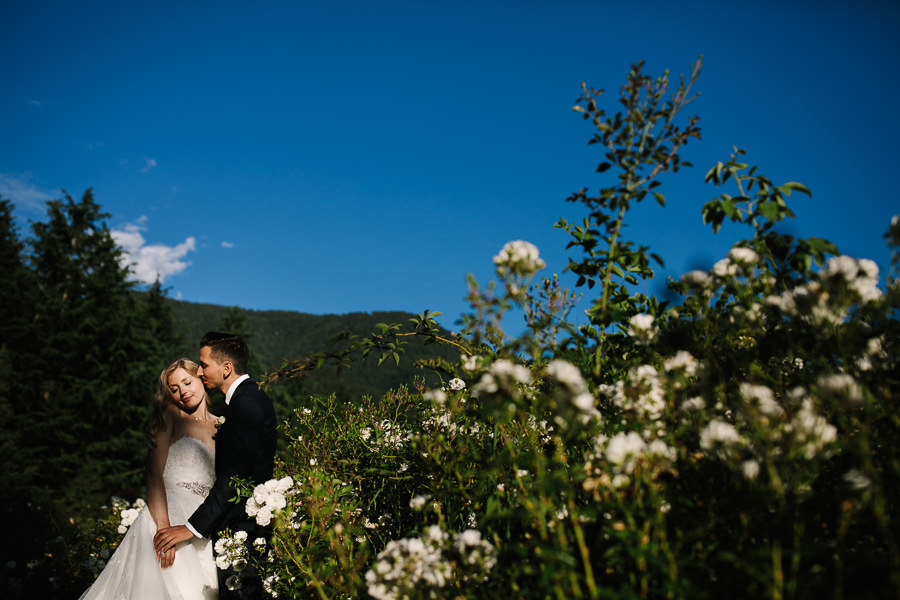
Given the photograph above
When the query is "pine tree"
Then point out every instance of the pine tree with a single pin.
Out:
(19, 369)
(98, 362)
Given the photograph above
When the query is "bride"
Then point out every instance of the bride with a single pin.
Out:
(181, 471)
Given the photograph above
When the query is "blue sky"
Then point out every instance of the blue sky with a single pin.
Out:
(334, 157)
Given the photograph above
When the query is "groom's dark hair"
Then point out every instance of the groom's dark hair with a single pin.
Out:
(227, 346)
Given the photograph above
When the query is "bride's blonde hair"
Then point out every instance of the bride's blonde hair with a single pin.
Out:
(163, 399)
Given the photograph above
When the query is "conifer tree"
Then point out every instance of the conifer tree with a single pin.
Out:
(18, 368)
(99, 362)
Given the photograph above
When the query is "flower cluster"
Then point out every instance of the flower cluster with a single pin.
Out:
(572, 394)
(129, 514)
(386, 435)
(470, 551)
(411, 567)
(504, 376)
(456, 384)
(812, 432)
(622, 454)
(518, 258)
(231, 551)
(641, 392)
(826, 301)
(642, 329)
(410, 564)
(269, 498)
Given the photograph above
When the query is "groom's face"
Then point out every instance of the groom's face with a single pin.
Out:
(211, 371)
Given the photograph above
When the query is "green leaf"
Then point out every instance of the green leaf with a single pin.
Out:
(660, 198)
(794, 186)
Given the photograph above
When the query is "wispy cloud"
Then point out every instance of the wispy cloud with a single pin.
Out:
(227, 245)
(149, 165)
(150, 261)
(23, 192)
(35, 103)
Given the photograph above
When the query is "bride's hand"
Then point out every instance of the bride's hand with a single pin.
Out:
(165, 540)
(166, 558)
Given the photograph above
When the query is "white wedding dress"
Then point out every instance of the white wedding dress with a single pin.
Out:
(133, 572)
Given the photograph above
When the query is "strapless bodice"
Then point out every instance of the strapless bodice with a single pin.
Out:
(190, 465)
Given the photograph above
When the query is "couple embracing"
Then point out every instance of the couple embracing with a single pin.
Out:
(167, 552)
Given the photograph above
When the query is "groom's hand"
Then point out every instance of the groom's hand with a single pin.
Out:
(165, 540)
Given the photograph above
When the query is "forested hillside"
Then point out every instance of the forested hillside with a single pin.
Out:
(277, 335)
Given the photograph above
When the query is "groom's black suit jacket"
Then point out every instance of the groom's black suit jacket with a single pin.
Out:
(245, 446)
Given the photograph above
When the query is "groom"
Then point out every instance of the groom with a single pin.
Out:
(245, 447)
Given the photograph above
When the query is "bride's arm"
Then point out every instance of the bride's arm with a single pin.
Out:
(156, 489)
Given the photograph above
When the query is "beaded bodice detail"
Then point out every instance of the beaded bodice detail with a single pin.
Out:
(190, 465)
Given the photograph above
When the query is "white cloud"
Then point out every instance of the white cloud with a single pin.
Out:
(149, 262)
(36, 103)
(149, 165)
(23, 192)
(227, 245)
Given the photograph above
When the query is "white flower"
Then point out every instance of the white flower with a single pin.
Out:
(456, 384)
(231, 552)
(518, 258)
(811, 431)
(469, 363)
(641, 391)
(840, 386)
(365, 433)
(763, 397)
(436, 396)
(860, 275)
(682, 360)
(472, 550)
(418, 502)
(268, 499)
(503, 374)
(750, 469)
(624, 449)
(696, 279)
(128, 515)
(571, 392)
(744, 256)
(694, 404)
(641, 328)
(724, 268)
(233, 583)
(268, 584)
(857, 479)
(567, 374)
(719, 434)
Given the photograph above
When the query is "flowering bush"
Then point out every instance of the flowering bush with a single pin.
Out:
(737, 442)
